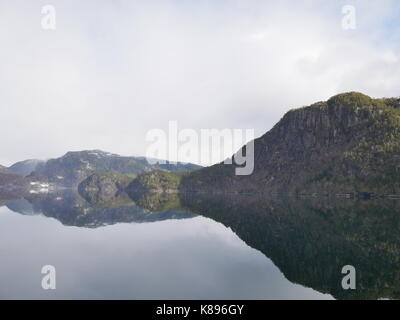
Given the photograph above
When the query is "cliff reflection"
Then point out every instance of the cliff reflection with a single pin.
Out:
(310, 240)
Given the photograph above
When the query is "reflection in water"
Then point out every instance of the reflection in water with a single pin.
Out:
(310, 240)
(191, 255)
(72, 210)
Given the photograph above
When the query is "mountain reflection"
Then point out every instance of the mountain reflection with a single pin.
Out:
(309, 240)
(72, 210)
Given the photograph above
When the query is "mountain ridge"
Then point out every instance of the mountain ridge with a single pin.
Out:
(25, 167)
(348, 144)
(75, 166)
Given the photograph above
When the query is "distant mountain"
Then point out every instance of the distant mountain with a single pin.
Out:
(74, 167)
(171, 166)
(12, 185)
(348, 144)
(11, 178)
(26, 167)
(3, 169)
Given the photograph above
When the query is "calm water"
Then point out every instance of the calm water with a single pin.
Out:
(241, 248)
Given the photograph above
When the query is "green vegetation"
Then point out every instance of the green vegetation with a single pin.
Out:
(121, 200)
(158, 202)
(391, 102)
(121, 180)
(157, 180)
(353, 100)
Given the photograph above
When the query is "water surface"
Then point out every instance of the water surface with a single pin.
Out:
(219, 248)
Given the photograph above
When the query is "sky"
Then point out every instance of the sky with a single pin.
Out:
(111, 71)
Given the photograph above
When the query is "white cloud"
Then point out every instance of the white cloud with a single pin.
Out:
(114, 69)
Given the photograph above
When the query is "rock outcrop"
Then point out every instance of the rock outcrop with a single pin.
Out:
(102, 187)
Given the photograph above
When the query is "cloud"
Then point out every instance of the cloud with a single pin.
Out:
(111, 71)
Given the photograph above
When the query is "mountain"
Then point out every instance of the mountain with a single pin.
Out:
(3, 169)
(8, 178)
(171, 166)
(348, 144)
(158, 181)
(12, 185)
(26, 167)
(72, 168)
(104, 186)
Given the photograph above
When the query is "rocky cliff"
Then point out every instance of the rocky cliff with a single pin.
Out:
(348, 144)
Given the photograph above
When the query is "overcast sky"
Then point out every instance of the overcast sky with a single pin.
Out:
(112, 70)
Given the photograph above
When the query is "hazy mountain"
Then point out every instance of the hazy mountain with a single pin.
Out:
(311, 239)
(173, 166)
(25, 167)
(3, 169)
(74, 167)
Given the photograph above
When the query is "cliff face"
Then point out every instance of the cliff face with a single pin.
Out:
(348, 144)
